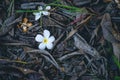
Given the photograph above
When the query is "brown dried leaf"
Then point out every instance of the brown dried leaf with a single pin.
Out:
(108, 31)
(116, 49)
(7, 24)
(31, 5)
(80, 43)
(110, 34)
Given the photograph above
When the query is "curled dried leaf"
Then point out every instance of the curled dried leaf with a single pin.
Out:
(25, 20)
(24, 25)
(29, 24)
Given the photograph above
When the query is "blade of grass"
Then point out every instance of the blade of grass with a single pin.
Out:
(71, 8)
(117, 62)
(117, 78)
(10, 7)
(21, 11)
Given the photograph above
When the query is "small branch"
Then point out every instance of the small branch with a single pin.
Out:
(69, 55)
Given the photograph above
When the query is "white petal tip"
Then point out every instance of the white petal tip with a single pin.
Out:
(42, 46)
(39, 38)
(37, 17)
(40, 8)
(46, 13)
(48, 7)
(52, 39)
(49, 46)
(46, 33)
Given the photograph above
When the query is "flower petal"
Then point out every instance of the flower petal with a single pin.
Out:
(45, 13)
(40, 8)
(42, 46)
(46, 33)
(49, 45)
(51, 39)
(39, 38)
(48, 8)
(37, 15)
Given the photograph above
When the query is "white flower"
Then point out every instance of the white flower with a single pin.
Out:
(42, 12)
(46, 40)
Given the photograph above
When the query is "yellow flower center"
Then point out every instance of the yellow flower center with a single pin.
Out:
(45, 40)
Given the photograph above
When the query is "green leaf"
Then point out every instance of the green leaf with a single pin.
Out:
(117, 78)
(117, 62)
(71, 8)
(21, 11)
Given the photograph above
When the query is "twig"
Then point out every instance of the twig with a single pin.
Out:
(48, 54)
(69, 55)
(15, 44)
(77, 27)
